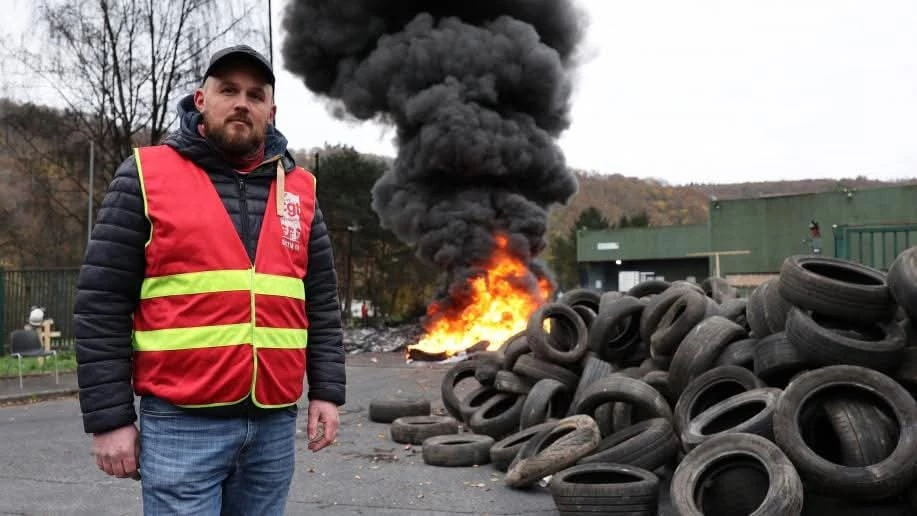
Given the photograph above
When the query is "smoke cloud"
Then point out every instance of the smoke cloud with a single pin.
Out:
(478, 92)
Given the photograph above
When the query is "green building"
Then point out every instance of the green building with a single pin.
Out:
(746, 240)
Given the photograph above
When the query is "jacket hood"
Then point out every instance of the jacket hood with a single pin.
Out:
(188, 142)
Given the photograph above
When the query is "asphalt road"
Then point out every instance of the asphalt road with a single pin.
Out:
(46, 468)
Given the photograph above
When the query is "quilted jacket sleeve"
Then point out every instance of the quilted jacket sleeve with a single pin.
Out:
(325, 350)
(107, 292)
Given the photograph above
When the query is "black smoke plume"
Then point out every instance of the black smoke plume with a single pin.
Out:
(478, 91)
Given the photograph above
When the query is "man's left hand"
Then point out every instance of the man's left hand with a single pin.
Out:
(323, 424)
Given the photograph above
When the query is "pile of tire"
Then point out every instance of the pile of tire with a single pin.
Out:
(799, 399)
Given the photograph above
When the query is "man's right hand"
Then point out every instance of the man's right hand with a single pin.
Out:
(117, 452)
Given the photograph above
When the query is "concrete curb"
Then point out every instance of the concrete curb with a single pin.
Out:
(32, 397)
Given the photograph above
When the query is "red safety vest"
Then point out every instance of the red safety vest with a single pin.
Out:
(211, 328)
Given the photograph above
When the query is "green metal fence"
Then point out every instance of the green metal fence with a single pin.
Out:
(875, 246)
(54, 289)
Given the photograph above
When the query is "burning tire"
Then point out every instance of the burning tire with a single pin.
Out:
(417, 429)
(605, 489)
(460, 450)
(553, 450)
(390, 409)
(770, 483)
(566, 342)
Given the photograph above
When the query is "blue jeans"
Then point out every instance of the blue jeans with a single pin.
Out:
(210, 466)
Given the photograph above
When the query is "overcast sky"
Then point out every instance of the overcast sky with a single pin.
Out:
(713, 91)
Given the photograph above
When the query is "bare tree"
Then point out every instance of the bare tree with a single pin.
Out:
(116, 68)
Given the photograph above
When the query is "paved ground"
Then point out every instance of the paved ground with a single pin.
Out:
(45, 466)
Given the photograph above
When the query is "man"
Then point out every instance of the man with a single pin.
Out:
(209, 289)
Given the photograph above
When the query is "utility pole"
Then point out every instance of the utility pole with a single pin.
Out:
(351, 229)
(270, 34)
(91, 190)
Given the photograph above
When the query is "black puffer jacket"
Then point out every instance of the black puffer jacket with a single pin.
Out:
(109, 283)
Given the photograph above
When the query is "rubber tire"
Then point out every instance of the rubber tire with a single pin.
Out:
(866, 434)
(734, 310)
(498, 416)
(650, 287)
(386, 410)
(474, 400)
(553, 450)
(784, 495)
(586, 314)
(531, 367)
(810, 282)
(902, 281)
(638, 496)
(455, 374)
(582, 296)
(548, 399)
(777, 360)
(515, 347)
(564, 322)
(486, 372)
(682, 316)
(761, 423)
(417, 429)
(656, 308)
(710, 388)
(512, 383)
(593, 369)
(739, 353)
(754, 312)
(700, 349)
(883, 480)
(823, 346)
(459, 450)
(619, 388)
(615, 334)
(649, 444)
(659, 380)
(776, 307)
(504, 451)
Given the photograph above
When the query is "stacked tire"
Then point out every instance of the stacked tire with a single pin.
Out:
(799, 399)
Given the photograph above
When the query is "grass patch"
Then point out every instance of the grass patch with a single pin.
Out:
(66, 362)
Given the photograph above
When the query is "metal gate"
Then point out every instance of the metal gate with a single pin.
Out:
(51, 288)
(875, 246)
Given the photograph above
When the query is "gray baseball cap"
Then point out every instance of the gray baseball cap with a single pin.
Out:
(246, 52)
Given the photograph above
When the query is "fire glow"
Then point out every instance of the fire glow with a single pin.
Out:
(498, 305)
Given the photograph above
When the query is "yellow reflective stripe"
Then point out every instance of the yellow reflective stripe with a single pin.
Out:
(194, 283)
(222, 281)
(271, 285)
(215, 336)
(146, 205)
(191, 338)
(280, 338)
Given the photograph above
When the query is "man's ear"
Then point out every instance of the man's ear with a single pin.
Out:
(199, 99)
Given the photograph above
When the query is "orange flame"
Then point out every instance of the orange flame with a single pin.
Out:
(497, 307)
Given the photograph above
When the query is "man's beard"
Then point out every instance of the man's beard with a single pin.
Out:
(231, 144)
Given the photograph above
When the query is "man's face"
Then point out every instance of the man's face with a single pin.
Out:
(237, 104)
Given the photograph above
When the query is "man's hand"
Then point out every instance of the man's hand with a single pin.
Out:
(323, 424)
(117, 452)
